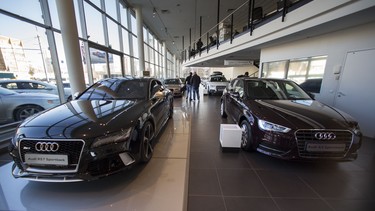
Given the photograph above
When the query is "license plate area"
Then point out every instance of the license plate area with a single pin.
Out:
(46, 159)
(318, 147)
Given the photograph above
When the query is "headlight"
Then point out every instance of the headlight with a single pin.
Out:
(269, 126)
(112, 138)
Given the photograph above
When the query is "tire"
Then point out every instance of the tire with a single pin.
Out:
(23, 112)
(146, 137)
(247, 142)
(222, 110)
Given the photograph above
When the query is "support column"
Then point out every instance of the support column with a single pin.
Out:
(165, 69)
(141, 51)
(69, 34)
(175, 73)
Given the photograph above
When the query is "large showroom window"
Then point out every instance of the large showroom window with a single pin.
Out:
(108, 43)
(298, 70)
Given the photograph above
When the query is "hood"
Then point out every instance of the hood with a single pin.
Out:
(81, 119)
(299, 114)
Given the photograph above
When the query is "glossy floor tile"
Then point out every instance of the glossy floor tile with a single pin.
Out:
(238, 180)
(190, 171)
(158, 185)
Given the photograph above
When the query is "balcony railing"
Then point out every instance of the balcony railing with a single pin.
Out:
(245, 19)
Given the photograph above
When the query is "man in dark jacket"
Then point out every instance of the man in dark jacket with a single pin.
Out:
(188, 86)
(195, 82)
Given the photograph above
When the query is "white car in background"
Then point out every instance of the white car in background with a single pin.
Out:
(16, 106)
(215, 84)
(32, 86)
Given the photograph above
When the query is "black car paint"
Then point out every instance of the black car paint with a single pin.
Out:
(88, 120)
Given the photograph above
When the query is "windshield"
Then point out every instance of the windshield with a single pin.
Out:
(218, 79)
(116, 90)
(172, 81)
(275, 90)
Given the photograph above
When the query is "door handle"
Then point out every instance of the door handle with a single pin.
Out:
(339, 94)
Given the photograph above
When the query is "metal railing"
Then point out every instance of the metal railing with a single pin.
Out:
(245, 19)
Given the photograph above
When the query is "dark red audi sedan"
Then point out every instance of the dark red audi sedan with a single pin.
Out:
(279, 119)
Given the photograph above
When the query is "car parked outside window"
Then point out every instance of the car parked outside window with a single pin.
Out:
(32, 86)
(16, 106)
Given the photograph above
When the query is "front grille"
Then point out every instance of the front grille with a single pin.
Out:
(220, 88)
(340, 145)
(71, 148)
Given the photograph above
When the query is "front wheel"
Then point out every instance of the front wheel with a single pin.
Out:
(247, 142)
(146, 136)
(26, 111)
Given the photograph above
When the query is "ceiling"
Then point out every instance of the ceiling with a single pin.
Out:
(174, 19)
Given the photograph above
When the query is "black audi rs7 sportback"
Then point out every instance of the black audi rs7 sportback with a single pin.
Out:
(109, 127)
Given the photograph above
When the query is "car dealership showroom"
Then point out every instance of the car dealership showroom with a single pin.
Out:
(224, 105)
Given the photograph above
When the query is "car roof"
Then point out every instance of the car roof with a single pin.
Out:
(129, 78)
(263, 79)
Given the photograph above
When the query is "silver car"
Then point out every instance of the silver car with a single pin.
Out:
(32, 86)
(18, 106)
(175, 85)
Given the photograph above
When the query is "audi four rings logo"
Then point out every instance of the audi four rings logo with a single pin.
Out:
(47, 147)
(325, 136)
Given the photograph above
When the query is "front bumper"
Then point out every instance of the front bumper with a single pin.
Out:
(92, 164)
(304, 146)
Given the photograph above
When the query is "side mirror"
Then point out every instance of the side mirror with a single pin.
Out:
(75, 95)
(311, 95)
(235, 94)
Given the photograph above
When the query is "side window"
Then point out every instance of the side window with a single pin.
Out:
(238, 87)
(38, 86)
(9, 85)
(155, 87)
(25, 85)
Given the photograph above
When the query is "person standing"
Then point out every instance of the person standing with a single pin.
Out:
(195, 82)
(188, 86)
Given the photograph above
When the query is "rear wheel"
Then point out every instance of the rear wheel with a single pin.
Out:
(247, 142)
(147, 134)
(26, 111)
(222, 110)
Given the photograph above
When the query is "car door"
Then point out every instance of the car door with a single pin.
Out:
(158, 103)
(236, 102)
(3, 114)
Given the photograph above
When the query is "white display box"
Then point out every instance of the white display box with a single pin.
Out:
(230, 136)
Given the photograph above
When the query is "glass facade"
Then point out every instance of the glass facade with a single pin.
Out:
(107, 38)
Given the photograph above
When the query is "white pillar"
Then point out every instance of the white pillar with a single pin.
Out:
(174, 73)
(141, 51)
(165, 69)
(69, 34)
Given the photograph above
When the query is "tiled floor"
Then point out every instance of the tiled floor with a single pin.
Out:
(251, 181)
(234, 180)
(161, 185)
